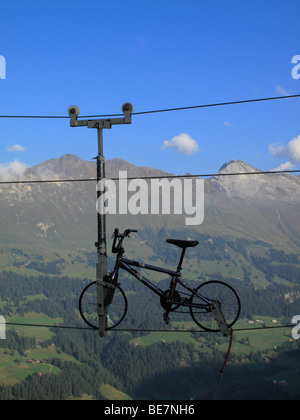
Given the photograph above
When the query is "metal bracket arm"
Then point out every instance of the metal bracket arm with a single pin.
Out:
(73, 111)
(219, 317)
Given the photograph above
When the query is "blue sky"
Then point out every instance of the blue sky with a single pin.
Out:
(156, 54)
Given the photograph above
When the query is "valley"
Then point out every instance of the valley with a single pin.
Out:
(250, 238)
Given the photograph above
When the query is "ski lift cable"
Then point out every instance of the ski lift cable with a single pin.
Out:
(212, 175)
(74, 327)
(182, 108)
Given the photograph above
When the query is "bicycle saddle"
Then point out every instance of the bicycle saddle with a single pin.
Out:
(182, 244)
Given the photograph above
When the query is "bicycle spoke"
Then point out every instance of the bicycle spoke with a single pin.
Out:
(116, 311)
(223, 294)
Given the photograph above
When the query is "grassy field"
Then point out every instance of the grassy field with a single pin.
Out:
(14, 367)
(111, 393)
(73, 263)
(41, 333)
(42, 353)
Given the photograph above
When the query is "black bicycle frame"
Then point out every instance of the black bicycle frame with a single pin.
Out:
(127, 264)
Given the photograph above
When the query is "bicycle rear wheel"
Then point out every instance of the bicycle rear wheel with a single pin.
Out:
(225, 295)
(116, 311)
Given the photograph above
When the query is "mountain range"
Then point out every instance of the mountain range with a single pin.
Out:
(259, 209)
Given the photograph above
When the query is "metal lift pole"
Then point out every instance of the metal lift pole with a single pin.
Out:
(101, 265)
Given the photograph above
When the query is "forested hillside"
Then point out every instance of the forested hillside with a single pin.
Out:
(80, 363)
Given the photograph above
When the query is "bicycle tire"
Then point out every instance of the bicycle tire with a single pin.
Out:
(226, 295)
(116, 311)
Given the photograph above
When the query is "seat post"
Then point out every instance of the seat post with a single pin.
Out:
(181, 260)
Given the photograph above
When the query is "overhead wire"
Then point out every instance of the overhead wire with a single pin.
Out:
(182, 108)
(151, 112)
(212, 175)
(74, 327)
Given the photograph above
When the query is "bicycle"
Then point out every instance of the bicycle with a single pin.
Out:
(213, 305)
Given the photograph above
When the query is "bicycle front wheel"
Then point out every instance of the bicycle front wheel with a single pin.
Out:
(116, 311)
(225, 295)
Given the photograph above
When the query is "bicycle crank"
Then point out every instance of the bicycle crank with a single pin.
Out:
(170, 304)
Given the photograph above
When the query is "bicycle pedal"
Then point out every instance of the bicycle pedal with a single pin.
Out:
(166, 319)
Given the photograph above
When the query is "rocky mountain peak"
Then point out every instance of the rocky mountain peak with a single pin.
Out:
(257, 188)
(68, 166)
(237, 166)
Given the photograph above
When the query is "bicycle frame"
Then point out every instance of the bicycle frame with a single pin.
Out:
(127, 264)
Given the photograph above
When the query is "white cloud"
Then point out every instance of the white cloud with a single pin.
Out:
(183, 144)
(282, 91)
(16, 148)
(287, 166)
(277, 149)
(294, 150)
(12, 171)
(290, 151)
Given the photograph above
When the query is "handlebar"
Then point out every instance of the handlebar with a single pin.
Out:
(120, 236)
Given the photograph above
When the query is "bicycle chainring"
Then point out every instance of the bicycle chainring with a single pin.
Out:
(165, 302)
